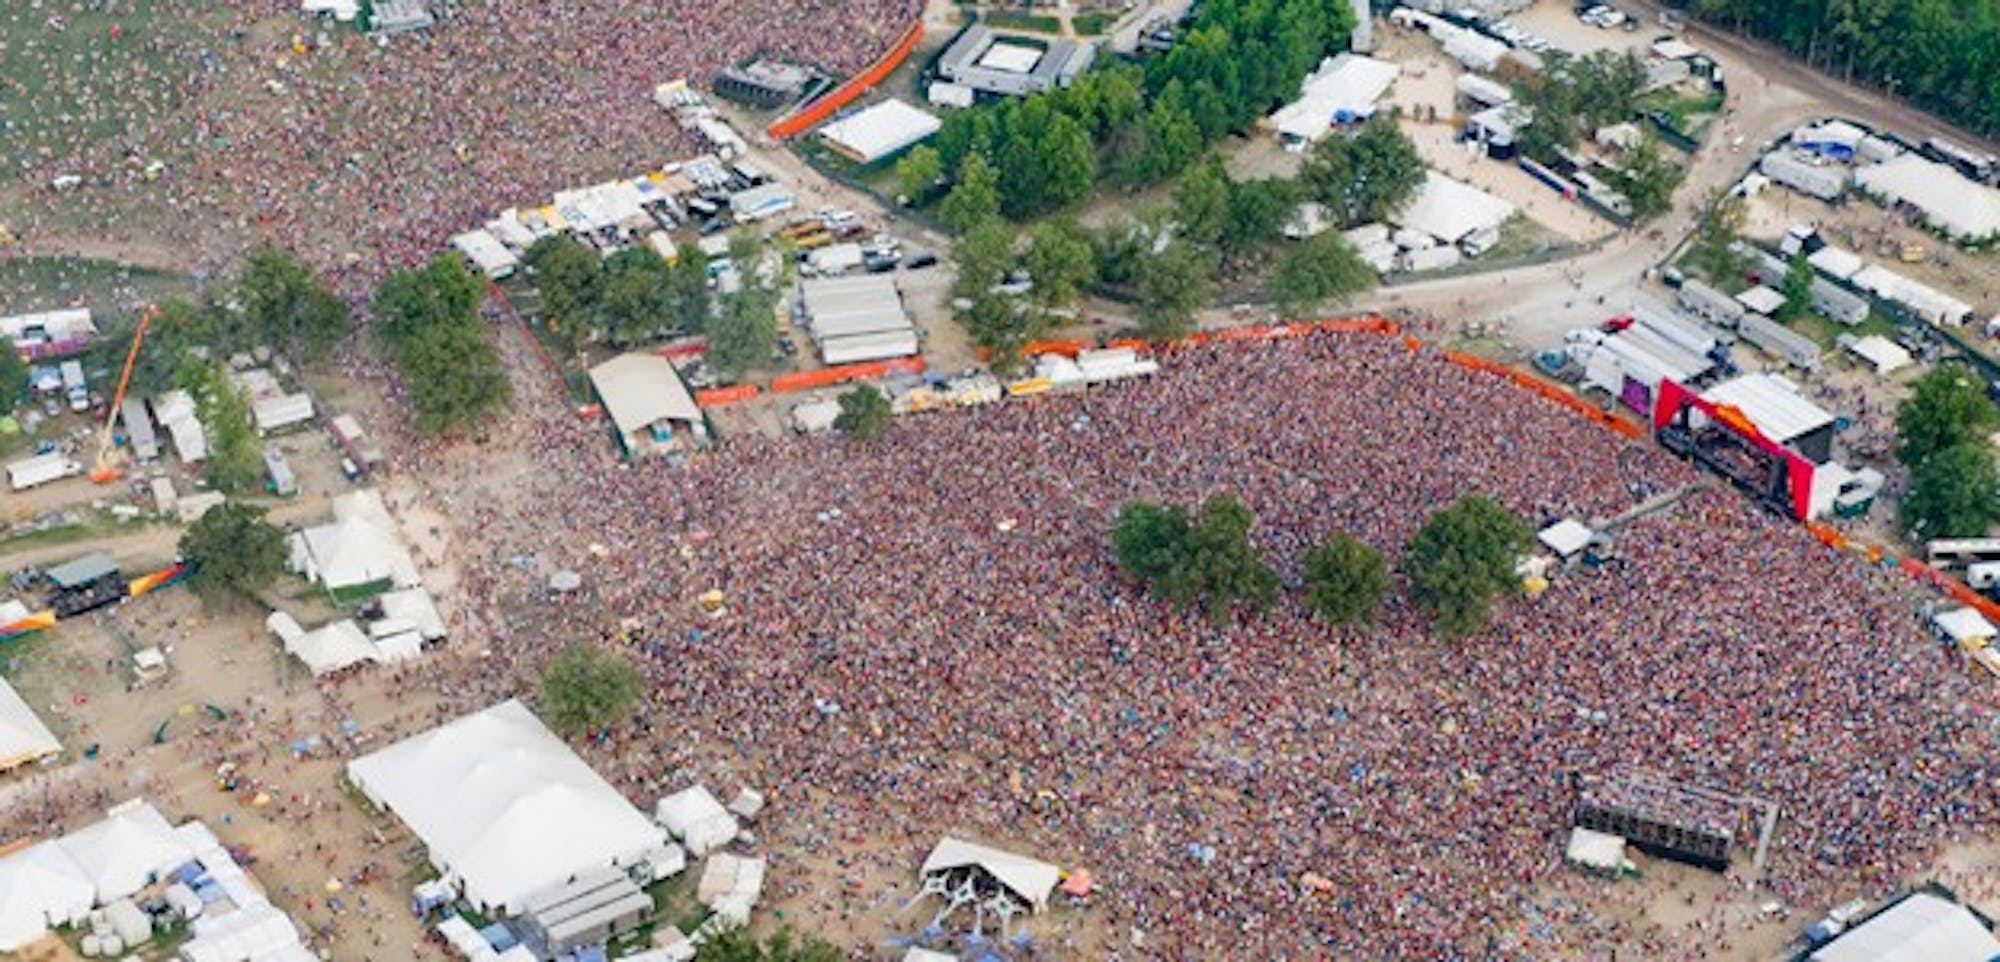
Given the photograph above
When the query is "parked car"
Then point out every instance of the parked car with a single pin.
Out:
(920, 260)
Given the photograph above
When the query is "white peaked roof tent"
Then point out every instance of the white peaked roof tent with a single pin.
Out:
(505, 808)
(697, 818)
(23, 737)
(40, 886)
(1029, 879)
(122, 854)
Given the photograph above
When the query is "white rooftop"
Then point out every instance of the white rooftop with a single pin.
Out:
(1772, 403)
(1959, 207)
(1565, 537)
(641, 390)
(1963, 624)
(1011, 57)
(23, 737)
(505, 808)
(1448, 209)
(1921, 928)
(1884, 355)
(1345, 87)
(880, 130)
(1028, 878)
(1762, 300)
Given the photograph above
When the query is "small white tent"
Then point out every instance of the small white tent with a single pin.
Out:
(697, 818)
(1029, 879)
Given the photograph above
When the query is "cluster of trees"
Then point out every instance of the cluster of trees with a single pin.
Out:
(235, 461)
(629, 298)
(272, 301)
(741, 945)
(427, 319)
(1942, 432)
(587, 688)
(1460, 560)
(1937, 53)
(1134, 125)
(864, 413)
(234, 552)
(1577, 95)
(1712, 252)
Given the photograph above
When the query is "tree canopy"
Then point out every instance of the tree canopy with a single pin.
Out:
(1172, 285)
(1797, 288)
(740, 945)
(1954, 493)
(13, 377)
(1647, 179)
(235, 462)
(587, 688)
(1345, 580)
(233, 551)
(570, 278)
(1317, 271)
(1947, 408)
(1713, 252)
(428, 319)
(1202, 559)
(864, 413)
(1364, 178)
(285, 307)
(1462, 557)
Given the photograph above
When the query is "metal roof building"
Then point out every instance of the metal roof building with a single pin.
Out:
(647, 402)
(988, 62)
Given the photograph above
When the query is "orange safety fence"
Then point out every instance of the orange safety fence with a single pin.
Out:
(691, 348)
(843, 373)
(710, 397)
(802, 120)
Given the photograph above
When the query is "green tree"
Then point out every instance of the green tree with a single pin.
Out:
(1060, 260)
(739, 945)
(983, 253)
(1201, 202)
(636, 299)
(1947, 408)
(1205, 559)
(1955, 493)
(455, 377)
(1346, 580)
(745, 334)
(1258, 210)
(1002, 325)
(1462, 557)
(279, 303)
(587, 688)
(1797, 288)
(1172, 286)
(442, 292)
(235, 461)
(918, 173)
(1319, 270)
(570, 278)
(1067, 166)
(1367, 177)
(13, 378)
(324, 319)
(1713, 253)
(690, 303)
(864, 413)
(974, 198)
(1647, 179)
(233, 551)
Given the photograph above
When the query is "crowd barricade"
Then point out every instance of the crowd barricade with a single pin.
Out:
(843, 373)
(685, 349)
(798, 122)
(710, 397)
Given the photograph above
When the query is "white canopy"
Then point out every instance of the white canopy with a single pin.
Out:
(697, 818)
(1773, 404)
(1761, 300)
(414, 607)
(1595, 850)
(1962, 209)
(1884, 355)
(1963, 625)
(504, 806)
(486, 252)
(641, 390)
(1028, 878)
(362, 546)
(259, 933)
(730, 877)
(1566, 537)
(328, 648)
(40, 886)
(1448, 209)
(880, 130)
(1920, 928)
(131, 847)
(23, 737)
(1344, 88)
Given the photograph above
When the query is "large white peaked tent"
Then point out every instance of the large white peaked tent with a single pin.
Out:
(40, 887)
(127, 851)
(505, 808)
(361, 547)
(23, 737)
(1029, 879)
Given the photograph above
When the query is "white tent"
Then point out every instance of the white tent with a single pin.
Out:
(730, 877)
(40, 886)
(1963, 625)
(1449, 210)
(414, 607)
(1773, 404)
(259, 933)
(128, 850)
(640, 391)
(486, 253)
(281, 411)
(1343, 89)
(1029, 879)
(697, 818)
(880, 130)
(23, 737)
(1595, 850)
(505, 808)
(1921, 928)
(328, 648)
(1565, 537)
(361, 546)
(1882, 354)
(1960, 208)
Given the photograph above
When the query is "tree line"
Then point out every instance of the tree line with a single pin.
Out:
(1129, 125)
(1937, 53)
(1463, 557)
(1943, 432)
(427, 321)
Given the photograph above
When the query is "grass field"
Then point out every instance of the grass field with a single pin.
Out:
(109, 288)
(1092, 24)
(73, 76)
(1010, 20)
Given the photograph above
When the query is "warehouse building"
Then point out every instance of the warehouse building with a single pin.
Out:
(1006, 66)
(859, 318)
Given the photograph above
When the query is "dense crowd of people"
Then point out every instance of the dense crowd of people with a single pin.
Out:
(362, 157)
(927, 635)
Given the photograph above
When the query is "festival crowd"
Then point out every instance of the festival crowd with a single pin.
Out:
(927, 636)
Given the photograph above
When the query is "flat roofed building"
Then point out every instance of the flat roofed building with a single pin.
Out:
(996, 64)
(648, 403)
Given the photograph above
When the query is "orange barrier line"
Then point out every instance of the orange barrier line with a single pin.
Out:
(797, 123)
(710, 397)
(841, 374)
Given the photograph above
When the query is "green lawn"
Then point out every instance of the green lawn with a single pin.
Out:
(1092, 24)
(109, 288)
(1010, 20)
(70, 82)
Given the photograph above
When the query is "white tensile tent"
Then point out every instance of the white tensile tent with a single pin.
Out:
(1565, 537)
(1028, 879)
(122, 854)
(40, 886)
(1963, 625)
(362, 546)
(1449, 210)
(23, 737)
(697, 818)
(506, 809)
